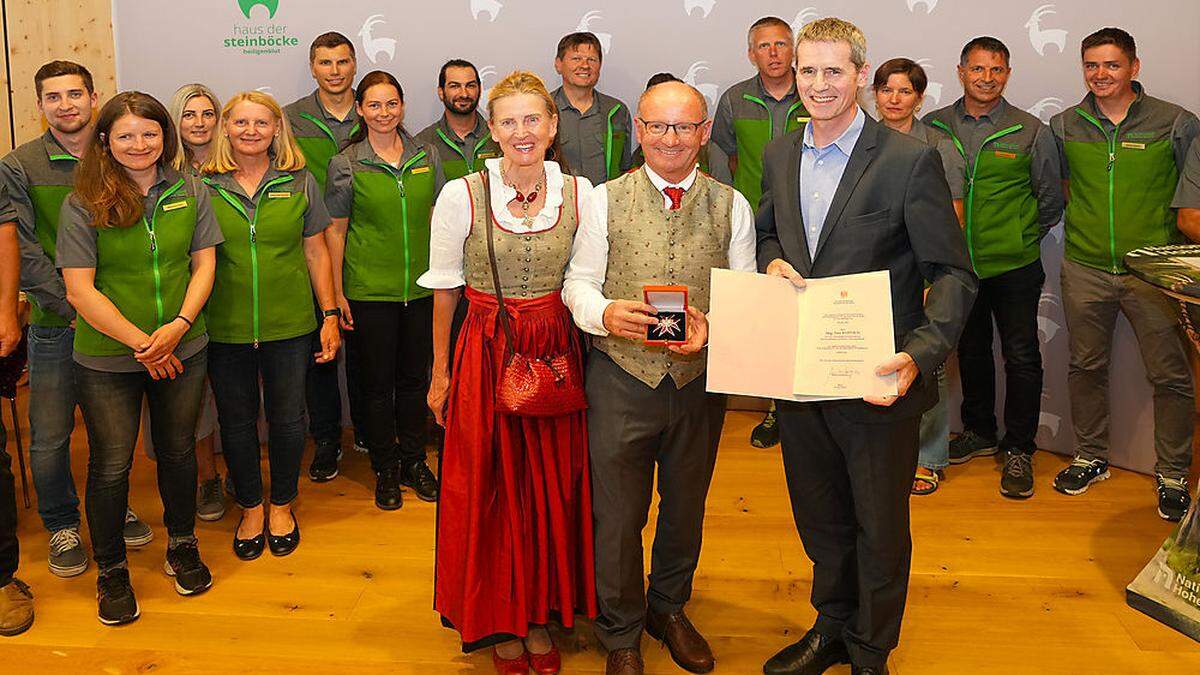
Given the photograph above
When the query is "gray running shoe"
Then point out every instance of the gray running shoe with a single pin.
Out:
(136, 532)
(210, 503)
(67, 557)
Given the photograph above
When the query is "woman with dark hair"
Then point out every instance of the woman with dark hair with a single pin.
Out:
(380, 192)
(899, 91)
(514, 531)
(261, 315)
(136, 244)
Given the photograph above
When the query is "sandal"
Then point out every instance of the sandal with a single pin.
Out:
(925, 482)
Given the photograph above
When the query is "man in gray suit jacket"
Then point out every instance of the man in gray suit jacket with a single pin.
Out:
(847, 195)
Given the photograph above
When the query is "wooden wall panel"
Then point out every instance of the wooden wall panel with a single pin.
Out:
(44, 30)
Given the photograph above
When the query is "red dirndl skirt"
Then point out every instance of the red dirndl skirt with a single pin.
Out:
(514, 532)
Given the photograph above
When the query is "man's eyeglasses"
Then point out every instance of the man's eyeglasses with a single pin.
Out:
(682, 129)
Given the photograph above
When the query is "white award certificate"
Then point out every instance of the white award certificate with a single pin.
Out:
(844, 332)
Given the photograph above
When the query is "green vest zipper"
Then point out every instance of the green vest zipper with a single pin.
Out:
(770, 122)
(608, 145)
(969, 210)
(399, 176)
(149, 225)
(253, 221)
(487, 136)
(328, 132)
(1111, 169)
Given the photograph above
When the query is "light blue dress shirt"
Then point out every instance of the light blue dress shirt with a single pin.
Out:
(821, 170)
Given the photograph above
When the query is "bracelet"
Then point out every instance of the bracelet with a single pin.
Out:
(185, 319)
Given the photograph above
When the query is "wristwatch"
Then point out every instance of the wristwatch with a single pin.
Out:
(336, 311)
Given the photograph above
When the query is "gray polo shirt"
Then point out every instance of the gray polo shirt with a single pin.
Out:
(76, 248)
(1045, 172)
(1187, 195)
(339, 183)
(316, 217)
(953, 163)
(8, 214)
(581, 135)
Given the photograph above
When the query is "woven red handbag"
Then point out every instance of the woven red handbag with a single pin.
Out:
(530, 386)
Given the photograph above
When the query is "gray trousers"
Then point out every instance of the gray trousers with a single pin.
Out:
(1091, 300)
(631, 428)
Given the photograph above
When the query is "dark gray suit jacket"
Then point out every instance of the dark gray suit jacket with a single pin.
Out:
(892, 211)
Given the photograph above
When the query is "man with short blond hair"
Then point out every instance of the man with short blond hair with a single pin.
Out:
(847, 195)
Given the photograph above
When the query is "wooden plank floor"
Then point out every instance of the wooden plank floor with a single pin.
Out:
(997, 586)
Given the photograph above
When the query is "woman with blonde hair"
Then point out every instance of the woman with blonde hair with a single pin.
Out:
(261, 315)
(196, 111)
(135, 244)
(514, 536)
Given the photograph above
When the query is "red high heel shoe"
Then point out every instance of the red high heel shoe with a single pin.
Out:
(517, 666)
(546, 664)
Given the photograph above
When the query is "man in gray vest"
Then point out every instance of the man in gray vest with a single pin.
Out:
(663, 224)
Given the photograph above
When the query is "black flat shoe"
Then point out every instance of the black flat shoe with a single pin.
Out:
(285, 544)
(247, 549)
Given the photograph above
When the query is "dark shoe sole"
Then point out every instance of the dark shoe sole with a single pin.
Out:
(180, 589)
(211, 517)
(420, 496)
(68, 572)
(322, 479)
(137, 611)
(981, 452)
(1171, 519)
(17, 630)
(388, 507)
(1097, 479)
(1017, 495)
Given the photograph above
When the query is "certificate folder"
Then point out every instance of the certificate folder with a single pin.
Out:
(758, 325)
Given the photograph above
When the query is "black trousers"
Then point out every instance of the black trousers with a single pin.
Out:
(632, 428)
(323, 395)
(1011, 299)
(849, 484)
(9, 549)
(394, 346)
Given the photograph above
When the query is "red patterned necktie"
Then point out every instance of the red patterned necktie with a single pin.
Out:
(676, 195)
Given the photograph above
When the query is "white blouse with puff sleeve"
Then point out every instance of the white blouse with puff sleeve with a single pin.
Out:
(451, 221)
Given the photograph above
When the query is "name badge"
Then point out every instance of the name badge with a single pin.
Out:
(279, 195)
(420, 169)
(1006, 155)
(175, 205)
(1134, 146)
(486, 155)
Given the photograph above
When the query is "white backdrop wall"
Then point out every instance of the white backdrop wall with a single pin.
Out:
(233, 45)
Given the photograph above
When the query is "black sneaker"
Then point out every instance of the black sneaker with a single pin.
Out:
(1016, 479)
(418, 477)
(1079, 475)
(387, 489)
(191, 575)
(324, 465)
(968, 445)
(1173, 498)
(766, 434)
(114, 595)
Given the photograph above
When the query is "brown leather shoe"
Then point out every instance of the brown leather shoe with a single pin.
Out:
(624, 662)
(16, 608)
(688, 647)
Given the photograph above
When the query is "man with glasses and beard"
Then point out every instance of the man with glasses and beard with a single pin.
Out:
(461, 137)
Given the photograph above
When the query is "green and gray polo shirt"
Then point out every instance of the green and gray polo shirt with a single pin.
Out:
(144, 269)
(1010, 183)
(597, 143)
(319, 134)
(747, 119)
(263, 290)
(459, 156)
(1123, 177)
(388, 207)
(39, 175)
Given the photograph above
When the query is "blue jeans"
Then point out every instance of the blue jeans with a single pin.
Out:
(935, 429)
(112, 406)
(234, 371)
(52, 399)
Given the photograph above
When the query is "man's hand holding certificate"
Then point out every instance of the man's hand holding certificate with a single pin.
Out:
(843, 345)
